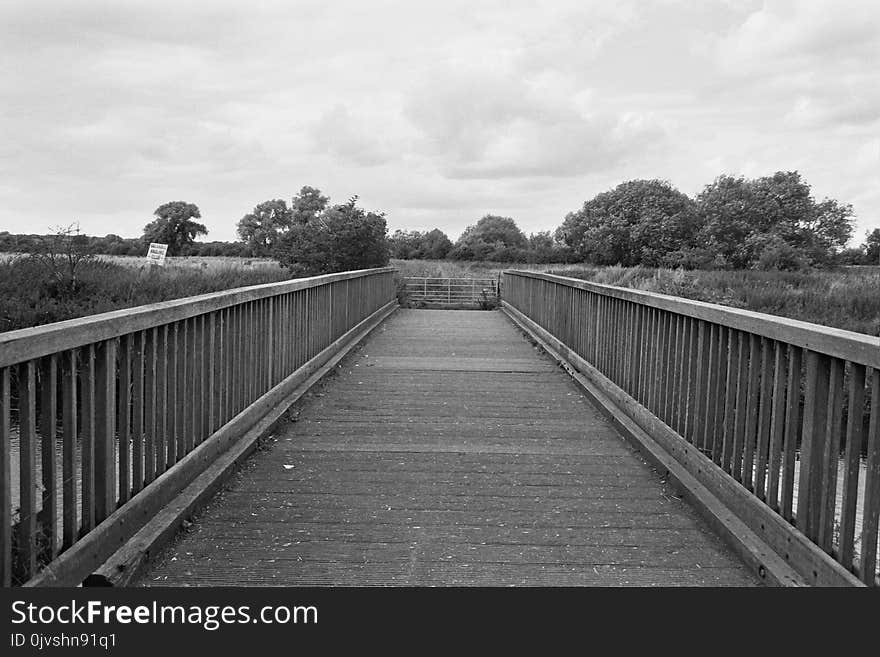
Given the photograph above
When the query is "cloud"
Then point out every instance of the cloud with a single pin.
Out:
(488, 124)
(437, 112)
(339, 133)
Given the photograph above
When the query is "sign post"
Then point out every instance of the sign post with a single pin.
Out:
(156, 254)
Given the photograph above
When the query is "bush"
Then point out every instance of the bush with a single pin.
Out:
(776, 254)
(341, 238)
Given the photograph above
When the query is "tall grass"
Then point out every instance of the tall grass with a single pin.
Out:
(846, 298)
(30, 295)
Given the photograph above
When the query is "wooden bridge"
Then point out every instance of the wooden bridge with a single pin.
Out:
(584, 434)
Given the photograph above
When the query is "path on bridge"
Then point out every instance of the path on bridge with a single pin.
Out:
(448, 451)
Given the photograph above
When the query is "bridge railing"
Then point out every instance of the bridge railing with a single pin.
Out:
(103, 418)
(789, 411)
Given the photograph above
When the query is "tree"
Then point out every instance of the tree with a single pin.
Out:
(307, 205)
(62, 255)
(637, 222)
(174, 226)
(872, 247)
(434, 245)
(408, 245)
(742, 215)
(262, 228)
(341, 238)
(491, 238)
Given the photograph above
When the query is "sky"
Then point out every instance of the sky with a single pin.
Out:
(436, 113)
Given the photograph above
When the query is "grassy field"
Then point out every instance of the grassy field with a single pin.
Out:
(30, 293)
(847, 298)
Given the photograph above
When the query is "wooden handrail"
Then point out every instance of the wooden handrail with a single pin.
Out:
(858, 347)
(25, 344)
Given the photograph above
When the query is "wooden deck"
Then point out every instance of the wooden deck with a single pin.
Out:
(448, 451)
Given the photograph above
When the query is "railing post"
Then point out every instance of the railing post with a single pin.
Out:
(5, 481)
(105, 434)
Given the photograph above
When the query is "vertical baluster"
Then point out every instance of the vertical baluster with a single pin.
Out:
(777, 426)
(634, 346)
(124, 414)
(68, 447)
(675, 394)
(792, 429)
(138, 403)
(198, 377)
(831, 455)
(27, 437)
(87, 439)
(854, 436)
(692, 362)
(105, 430)
(752, 401)
(48, 518)
(701, 385)
(5, 479)
(151, 397)
(211, 381)
(183, 393)
(687, 359)
(813, 443)
(164, 397)
(734, 367)
(764, 418)
(721, 391)
(871, 514)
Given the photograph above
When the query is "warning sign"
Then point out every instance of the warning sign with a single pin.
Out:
(156, 254)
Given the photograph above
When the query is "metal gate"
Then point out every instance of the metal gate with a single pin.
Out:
(424, 292)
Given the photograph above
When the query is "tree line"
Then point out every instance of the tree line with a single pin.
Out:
(771, 222)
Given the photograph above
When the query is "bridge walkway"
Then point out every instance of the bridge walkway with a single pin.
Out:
(447, 450)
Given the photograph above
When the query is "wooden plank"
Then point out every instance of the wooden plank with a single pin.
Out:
(813, 443)
(126, 347)
(731, 388)
(105, 430)
(138, 405)
(5, 480)
(87, 439)
(714, 379)
(753, 401)
(27, 439)
(724, 357)
(871, 513)
(152, 401)
(777, 425)
(68, 449)
(765, 415)
(854, 437)
(739, 426)
(827, 494)
(212, 370)
(701, 385)
(792, 430)
(48, 517)
(433, 480)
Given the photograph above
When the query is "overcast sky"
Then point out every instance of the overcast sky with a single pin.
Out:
(434, 112)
